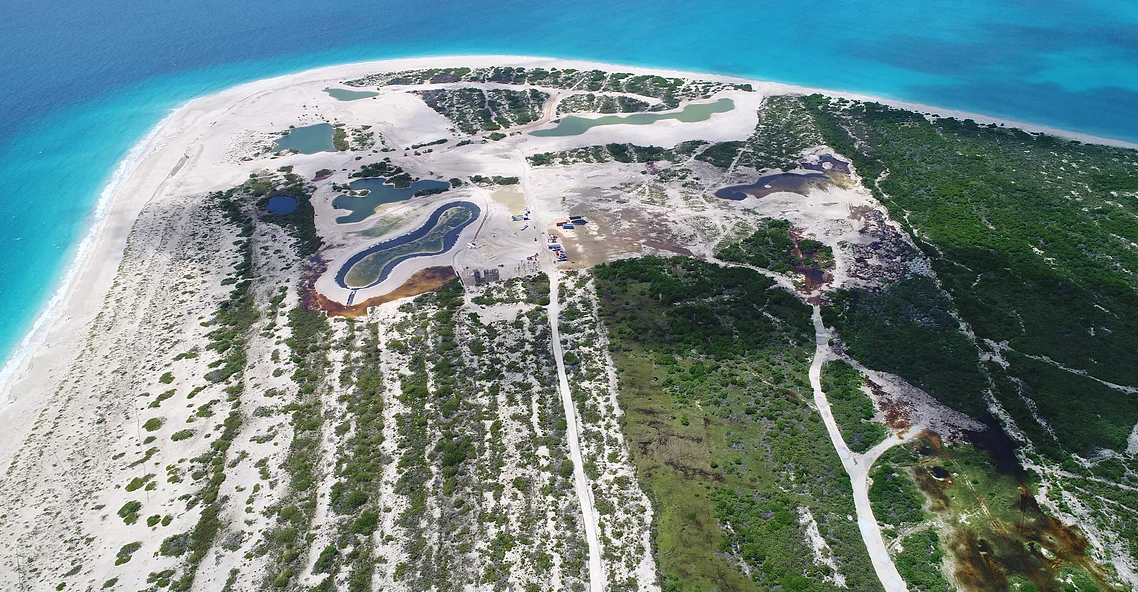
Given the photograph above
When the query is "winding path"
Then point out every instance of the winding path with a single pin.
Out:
(856, 465)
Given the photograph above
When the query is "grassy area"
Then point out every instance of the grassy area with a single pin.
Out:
(713, 383)
(997, 536)
(920, 561)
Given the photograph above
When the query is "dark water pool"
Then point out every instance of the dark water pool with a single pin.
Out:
(282, 204)
(768, 184)
(835, 164)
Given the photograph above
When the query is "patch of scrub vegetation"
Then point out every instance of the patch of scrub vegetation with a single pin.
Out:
(624, 525)
(287, 539)
(1031, 235)
(774, 246)
(383, 168)
(713, 381)
(1082, 415)
(181, 435)
(493, 180)
(139, 482)
(897, 503)
(301, 222)
(908, 329)
(340, 137)
(614, 153)
(670, 91)
(231, 324)
(129, 511)
(785, 130)
(529, 289)
(355, 495)
(720, 154)
(483, 490)
(920, 562)
(853, 409)
(126, 552)
(475, 110)
(603, 103)
(157, 402)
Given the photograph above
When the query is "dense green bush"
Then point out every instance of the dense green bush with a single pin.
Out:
(1030, 235)
(908, 330)
(852, 408)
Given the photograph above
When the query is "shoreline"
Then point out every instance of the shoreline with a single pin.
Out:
(60, 328)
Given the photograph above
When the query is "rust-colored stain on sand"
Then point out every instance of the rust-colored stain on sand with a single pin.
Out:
(425, 280)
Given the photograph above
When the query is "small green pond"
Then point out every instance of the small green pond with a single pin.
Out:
(574, 126)
(343, 94)
(309, 139)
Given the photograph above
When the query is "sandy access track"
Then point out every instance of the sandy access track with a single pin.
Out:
(856, 465)
(572, 434)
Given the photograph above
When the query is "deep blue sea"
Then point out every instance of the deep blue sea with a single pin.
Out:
(81, 81)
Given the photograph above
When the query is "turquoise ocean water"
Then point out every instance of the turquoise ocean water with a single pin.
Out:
(82, 82)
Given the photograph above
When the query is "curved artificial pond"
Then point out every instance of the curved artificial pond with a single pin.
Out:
(575, 126)
(768, 184)
(379, 192)
(309, 139)
(438, 235)
(281, 204)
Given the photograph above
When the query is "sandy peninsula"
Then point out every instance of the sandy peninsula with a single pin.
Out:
(109, 408)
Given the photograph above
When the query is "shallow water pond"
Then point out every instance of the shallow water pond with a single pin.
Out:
(379, 192)
(438, 235)
(574, 126)
(343, 94)
(309, 139)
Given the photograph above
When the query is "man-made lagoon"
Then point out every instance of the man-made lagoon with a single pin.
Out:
(575, 126)
(438, 235)
(379, 192)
